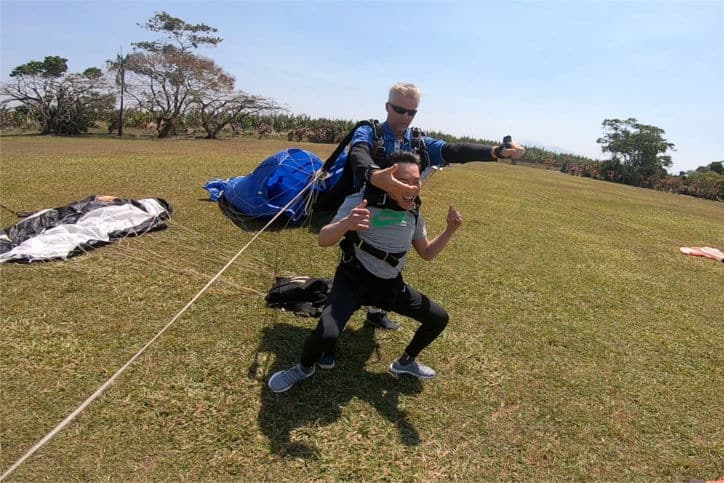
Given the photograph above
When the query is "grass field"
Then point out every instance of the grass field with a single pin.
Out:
(582, 344)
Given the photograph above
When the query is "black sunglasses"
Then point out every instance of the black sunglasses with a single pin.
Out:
(402, 110)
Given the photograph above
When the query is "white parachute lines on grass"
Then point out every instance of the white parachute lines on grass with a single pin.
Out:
(303, 193)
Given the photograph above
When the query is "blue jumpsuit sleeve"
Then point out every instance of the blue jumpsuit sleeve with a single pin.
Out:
(434, 150)
(364, 134)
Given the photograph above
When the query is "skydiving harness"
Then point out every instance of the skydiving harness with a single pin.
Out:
(375, 196)
(349, 183)
(352, 239)
(417, 143)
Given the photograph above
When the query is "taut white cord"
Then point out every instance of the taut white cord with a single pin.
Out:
(120, 371)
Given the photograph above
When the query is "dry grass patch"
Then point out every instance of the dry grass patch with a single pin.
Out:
(582, 344)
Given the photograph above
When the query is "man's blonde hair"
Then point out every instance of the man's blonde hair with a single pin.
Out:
(405, 89)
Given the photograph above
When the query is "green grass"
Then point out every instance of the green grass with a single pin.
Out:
(582, 344)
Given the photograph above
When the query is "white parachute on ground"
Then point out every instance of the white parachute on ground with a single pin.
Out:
(59, 233)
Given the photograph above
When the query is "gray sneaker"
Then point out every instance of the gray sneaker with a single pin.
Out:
(283, 380)
(412, 368)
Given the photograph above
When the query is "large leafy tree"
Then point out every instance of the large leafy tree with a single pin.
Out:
(717, 167)
(59, 101)
(168, 75)
(638, 150)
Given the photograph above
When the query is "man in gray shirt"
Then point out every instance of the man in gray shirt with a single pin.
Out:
(375, 245)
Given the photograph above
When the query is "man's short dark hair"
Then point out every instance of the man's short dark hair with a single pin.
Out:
(405, 157)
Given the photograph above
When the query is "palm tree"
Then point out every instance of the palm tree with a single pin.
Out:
(119, 66)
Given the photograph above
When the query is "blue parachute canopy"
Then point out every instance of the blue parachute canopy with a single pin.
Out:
(274, 183)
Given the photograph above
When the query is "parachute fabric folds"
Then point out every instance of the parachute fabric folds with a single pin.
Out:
(70, 230)
(273, 184)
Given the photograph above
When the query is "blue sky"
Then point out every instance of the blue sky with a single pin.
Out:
(546, 72)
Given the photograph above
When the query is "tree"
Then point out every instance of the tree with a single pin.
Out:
(168, 75)
(219, 108)
(639, 148)
(119, 67)
(184, 36)
(61, 102)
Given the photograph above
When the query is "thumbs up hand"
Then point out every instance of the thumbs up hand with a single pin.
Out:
(359, 217)
(454, 219)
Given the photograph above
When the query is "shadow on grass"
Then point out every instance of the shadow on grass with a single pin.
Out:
(319, 400)
(250, 223)
(253, 224)
(21, 134)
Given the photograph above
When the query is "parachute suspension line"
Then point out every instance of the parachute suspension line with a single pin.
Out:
(298, 168)
(150, 259)
(311, 198)
(184, 238)
(278, 246)
(120, 371)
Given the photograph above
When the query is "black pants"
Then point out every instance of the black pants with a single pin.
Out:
(354, 286)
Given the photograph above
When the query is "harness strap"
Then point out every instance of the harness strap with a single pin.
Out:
(380, 153)
(351, 240)
(374, 195)
(347, 139)
(419, 147)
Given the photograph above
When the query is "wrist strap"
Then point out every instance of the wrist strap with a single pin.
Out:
(369, 171)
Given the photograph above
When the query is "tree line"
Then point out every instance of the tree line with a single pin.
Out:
(165, 79)
(165, 86)
(638, 158)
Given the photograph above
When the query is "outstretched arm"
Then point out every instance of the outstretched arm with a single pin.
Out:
(467, 152)
(358, 219)
(429, 249)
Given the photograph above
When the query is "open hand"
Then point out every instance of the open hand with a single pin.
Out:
(385, 180)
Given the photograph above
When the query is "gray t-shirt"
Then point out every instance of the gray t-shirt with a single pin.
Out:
(390, 230)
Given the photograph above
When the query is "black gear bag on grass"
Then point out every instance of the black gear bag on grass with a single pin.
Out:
(304, 296)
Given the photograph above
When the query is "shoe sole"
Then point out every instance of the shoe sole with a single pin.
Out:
(326, 366)
(397, 372)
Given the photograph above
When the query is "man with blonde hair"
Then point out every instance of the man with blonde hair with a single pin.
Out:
(405, 89)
